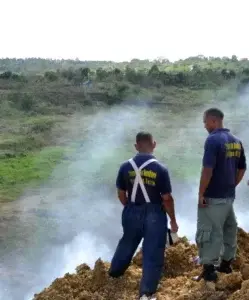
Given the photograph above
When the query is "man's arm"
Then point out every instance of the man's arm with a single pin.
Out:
(121, 186)
(122, 196)
(166, 190)
(206, 175)
(241, 166)
(208, 164)
(169, 206)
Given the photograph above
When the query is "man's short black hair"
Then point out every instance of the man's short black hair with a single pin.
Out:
(214, 112)
(144, 136)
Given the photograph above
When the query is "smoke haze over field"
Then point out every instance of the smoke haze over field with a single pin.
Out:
(75, 217)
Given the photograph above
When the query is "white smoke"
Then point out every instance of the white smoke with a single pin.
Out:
(75, 218)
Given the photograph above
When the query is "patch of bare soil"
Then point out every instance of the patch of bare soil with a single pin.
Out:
(176, 282)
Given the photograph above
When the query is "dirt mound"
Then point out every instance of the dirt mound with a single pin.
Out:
(176, 284)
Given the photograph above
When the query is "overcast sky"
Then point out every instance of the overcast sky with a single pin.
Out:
(123, 29)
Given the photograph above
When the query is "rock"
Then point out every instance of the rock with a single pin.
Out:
(245, 271)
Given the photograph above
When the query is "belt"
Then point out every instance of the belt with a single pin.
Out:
(216, 201)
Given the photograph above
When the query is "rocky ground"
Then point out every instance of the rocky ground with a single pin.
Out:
(176, 283)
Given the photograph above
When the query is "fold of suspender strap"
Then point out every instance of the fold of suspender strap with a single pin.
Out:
(138, 179)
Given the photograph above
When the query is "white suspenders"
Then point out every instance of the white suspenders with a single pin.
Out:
(139, 180)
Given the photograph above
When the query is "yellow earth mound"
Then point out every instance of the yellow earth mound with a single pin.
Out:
(176, 283)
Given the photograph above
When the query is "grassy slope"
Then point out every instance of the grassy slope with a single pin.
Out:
(23, 134)
(28, 151)
(26, 170)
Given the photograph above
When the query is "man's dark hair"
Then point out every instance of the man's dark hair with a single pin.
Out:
(214, 112)
(144, 136)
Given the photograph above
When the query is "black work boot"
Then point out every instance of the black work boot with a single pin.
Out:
(225, 267)
(208, 273)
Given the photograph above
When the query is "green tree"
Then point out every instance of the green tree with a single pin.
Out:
(51, 76)
(85, 73)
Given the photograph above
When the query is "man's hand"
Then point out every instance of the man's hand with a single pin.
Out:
(201, 202)
(174, 226)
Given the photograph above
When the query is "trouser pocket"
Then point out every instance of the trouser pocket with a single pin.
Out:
(203, 235)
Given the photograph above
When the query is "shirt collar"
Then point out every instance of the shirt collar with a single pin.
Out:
(220, 130)
(145, 154)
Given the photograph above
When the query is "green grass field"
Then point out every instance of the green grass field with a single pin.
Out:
(27, 170)
(28, 152)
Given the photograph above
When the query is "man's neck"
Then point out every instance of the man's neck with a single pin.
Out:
(219, 127)
(144, 153)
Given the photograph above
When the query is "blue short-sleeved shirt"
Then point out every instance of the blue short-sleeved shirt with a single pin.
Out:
(225, 154)
(155, 176)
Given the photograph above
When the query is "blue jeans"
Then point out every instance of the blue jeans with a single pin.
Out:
(146, 221)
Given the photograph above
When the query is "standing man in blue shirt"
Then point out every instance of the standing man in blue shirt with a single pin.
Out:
(224, 165)
(144, 189)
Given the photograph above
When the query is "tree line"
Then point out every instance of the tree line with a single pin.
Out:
(193, 77)
(41, 65)
(75, 84)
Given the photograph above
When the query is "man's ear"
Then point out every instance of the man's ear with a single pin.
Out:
(135, 145)
(154, 144)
